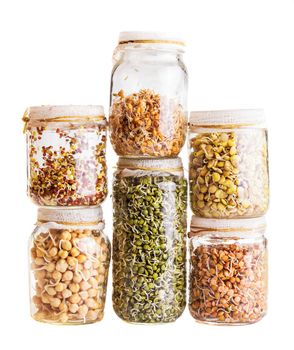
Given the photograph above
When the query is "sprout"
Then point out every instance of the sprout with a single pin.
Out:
(149, 252)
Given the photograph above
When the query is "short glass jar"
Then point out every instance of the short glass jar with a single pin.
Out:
(66, 155)
(228, 166)
(149, 240)
(228, 270)
(69, 262)
(148, 107)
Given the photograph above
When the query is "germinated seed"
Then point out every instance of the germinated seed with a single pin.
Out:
(149, 253)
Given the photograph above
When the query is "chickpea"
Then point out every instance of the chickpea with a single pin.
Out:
(83, 310)
(74, 287)
(82, 258)
(74, 252)
(66, 293)
(53, 251)
(56, 275)
(55, 302)
(61, 265)
(66, 245)
(63, 254)
(75, 298)
(60, 287)
(73, 308)
(77, 278)
(92, 292)
(92, 315)
(71, 261)
(51, 291)
(67, 276)
(85, 285)
(65, 235)
(84, 295)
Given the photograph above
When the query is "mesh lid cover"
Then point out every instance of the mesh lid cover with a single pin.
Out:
(227, 117)
(150, 163)
(47, 112)
(203, 223)
(73, 215)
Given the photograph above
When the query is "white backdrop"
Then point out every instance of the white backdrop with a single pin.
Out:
(239, 55)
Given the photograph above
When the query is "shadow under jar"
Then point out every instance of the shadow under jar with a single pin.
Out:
(228, 164)
(228, 271)
(69, 262)
(148, 107)
(149, 240)
(66, 155)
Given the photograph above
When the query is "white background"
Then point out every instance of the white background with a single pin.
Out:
(239, 55)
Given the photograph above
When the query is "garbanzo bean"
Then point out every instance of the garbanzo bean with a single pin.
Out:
(62, 277)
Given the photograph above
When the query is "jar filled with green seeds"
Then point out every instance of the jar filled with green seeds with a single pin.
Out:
(228, 165)
(149, 240)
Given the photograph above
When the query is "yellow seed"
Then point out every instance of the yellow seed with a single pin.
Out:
(233, 150)
(200, 204)
(66, 245)
(216, 177)
(212, 189)
(203, 189)
(63, 254)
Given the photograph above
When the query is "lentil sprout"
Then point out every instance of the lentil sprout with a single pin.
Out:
(229, 174)
(149, 248)
(228, 282)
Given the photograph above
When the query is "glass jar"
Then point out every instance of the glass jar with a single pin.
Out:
(66, 155)
(228, 165)
(69, 261)
(149, 240)
(228, 270)
(148, 112)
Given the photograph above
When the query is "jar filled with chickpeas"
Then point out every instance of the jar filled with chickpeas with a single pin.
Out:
(228, 271)
(228, 164)
(69, 261)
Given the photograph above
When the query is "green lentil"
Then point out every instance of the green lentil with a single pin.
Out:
(149, 260)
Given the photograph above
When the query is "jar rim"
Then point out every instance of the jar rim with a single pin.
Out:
(156, 164)
(202, 224)
(226, 118)
(45, 112)
(151, 39)
(72, 216)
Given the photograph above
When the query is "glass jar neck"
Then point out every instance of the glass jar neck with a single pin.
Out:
(150, 54)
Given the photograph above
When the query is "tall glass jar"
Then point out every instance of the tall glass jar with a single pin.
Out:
(66, 155)
(149, 240)
(148, 112)
(228, 164)
(228, 270)
(69, 261)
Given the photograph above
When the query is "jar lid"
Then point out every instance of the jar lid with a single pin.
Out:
(202, 224)
(141, 37)
(64, 112)
(238, 117)
(72, 216)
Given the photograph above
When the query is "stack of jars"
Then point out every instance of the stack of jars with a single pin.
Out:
(148, 121)
(69, 254)
(229, 193)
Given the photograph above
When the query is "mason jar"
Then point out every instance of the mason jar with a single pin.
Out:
(148, 99)
(66, 155)
(149, 240)
(228, 270)
(228, 164)
(69, 262)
